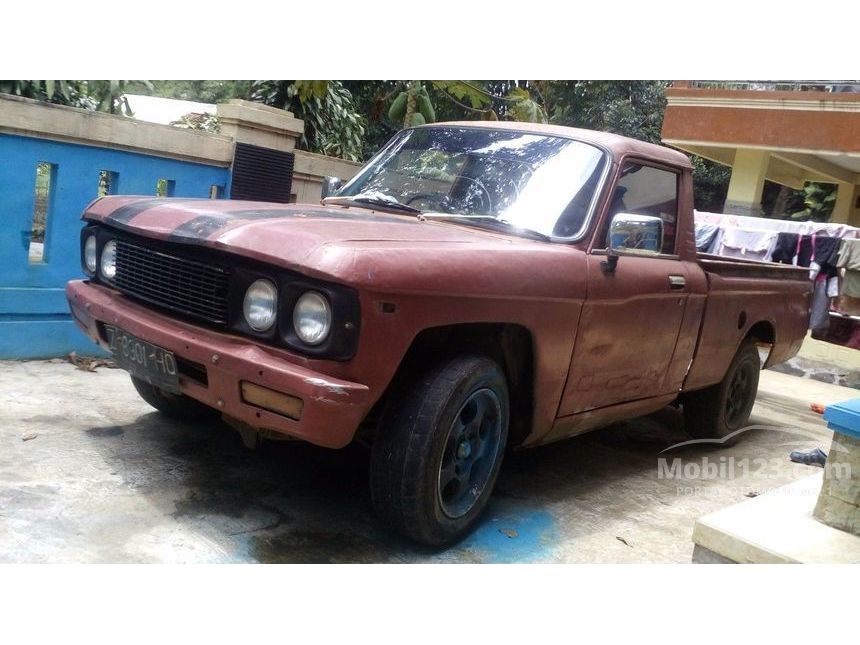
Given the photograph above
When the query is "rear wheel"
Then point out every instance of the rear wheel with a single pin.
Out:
(175, 406)
(439, 448)
(719, 410)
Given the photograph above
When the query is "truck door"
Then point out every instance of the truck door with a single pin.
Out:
(632, 316)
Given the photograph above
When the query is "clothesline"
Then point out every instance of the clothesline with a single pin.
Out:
(779, 225)
(830, 251)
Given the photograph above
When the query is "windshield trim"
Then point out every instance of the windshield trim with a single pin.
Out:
(595, 199)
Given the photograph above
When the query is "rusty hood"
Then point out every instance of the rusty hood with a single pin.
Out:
(353, 245)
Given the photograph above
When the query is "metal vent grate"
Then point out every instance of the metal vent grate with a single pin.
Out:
(262, 174)
(183, 285)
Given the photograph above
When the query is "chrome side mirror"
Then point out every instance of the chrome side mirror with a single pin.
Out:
(639, 234)
(330, 185)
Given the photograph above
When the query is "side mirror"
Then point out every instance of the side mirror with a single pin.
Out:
(634, 234)
(640, 234)
(330, 186)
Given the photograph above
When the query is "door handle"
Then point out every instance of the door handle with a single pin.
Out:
(677, 282)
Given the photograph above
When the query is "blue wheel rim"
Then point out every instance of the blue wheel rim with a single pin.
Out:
(470, 453)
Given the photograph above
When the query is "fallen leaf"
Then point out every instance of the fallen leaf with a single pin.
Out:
(89, 364)
(511, 533)
(29, 436)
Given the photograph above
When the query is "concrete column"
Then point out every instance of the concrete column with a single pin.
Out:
(259, 125)
(839, 501)
(747, 182)
(844, 203)
(854, 207)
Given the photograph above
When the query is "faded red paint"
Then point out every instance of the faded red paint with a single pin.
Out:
(606, 347)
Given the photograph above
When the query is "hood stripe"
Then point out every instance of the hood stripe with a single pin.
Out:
(202, 227)
(205, 223)
(124, 214)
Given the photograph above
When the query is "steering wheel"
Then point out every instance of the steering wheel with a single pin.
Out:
(440, 201)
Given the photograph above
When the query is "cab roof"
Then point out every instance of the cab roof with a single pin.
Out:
(617, 145)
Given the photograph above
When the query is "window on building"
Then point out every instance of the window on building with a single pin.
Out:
(165, 188)
(108, 183)
(46, 174)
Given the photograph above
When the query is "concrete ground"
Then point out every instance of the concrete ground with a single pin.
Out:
(90, 473)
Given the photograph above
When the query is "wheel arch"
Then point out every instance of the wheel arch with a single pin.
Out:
(762, 332)
(511, 345)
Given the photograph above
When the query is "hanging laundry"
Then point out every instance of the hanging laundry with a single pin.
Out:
(705, 234)
(825, 254)
(826, 250)
(804, 250)
(785, 249)
(849, 259)
(819, 308)
(748, 244)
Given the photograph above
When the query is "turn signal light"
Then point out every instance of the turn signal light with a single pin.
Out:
(272, 400)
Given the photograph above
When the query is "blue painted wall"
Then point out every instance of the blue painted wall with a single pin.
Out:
(34, 316)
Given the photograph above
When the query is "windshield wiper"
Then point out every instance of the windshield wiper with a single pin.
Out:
(489, 219)
(374, 198)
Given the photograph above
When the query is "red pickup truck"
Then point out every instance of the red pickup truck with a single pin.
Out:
(476, 287)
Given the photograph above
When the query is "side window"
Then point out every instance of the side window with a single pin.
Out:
(645, 190)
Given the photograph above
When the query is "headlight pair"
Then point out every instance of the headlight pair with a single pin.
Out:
(311, 313)
(107, 267)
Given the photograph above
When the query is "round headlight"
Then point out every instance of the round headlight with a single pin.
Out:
(108, 265)
(261, 305)
(312, 318)
(90, 253)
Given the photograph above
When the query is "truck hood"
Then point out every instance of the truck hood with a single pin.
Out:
(352, 245)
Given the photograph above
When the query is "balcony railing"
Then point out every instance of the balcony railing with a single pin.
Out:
(779, 86)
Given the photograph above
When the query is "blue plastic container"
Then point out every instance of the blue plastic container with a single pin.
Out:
(844, 417)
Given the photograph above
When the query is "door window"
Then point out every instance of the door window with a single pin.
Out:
(645, 190)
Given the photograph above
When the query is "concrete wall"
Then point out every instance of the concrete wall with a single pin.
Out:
(78, 144)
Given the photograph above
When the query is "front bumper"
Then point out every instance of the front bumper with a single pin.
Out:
(331, 408)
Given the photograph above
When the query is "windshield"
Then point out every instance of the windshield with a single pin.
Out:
(542, 183)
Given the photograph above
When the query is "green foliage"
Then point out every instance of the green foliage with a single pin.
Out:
(818, 200)
(524, 108)
(61, 92)
(710, 184)
(104, 96)
(201, 91)
(333, 125)
(631, 108)
(308, 90)
(467, 92)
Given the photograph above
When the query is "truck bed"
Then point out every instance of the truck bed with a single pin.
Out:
(744, 295)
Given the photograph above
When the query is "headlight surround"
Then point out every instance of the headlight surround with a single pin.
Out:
(260, 306)
(90, 255)
(107, 267)
(312, 318)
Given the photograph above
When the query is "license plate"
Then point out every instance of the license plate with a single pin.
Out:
(153, 364)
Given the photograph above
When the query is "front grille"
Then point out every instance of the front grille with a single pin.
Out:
(174, 282)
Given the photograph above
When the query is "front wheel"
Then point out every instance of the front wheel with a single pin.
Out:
(439, 448)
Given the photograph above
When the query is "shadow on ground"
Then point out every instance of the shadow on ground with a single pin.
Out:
(292, 502)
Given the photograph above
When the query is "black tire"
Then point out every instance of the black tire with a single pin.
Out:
(175, 406)
(719, 410)
(418, 479)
